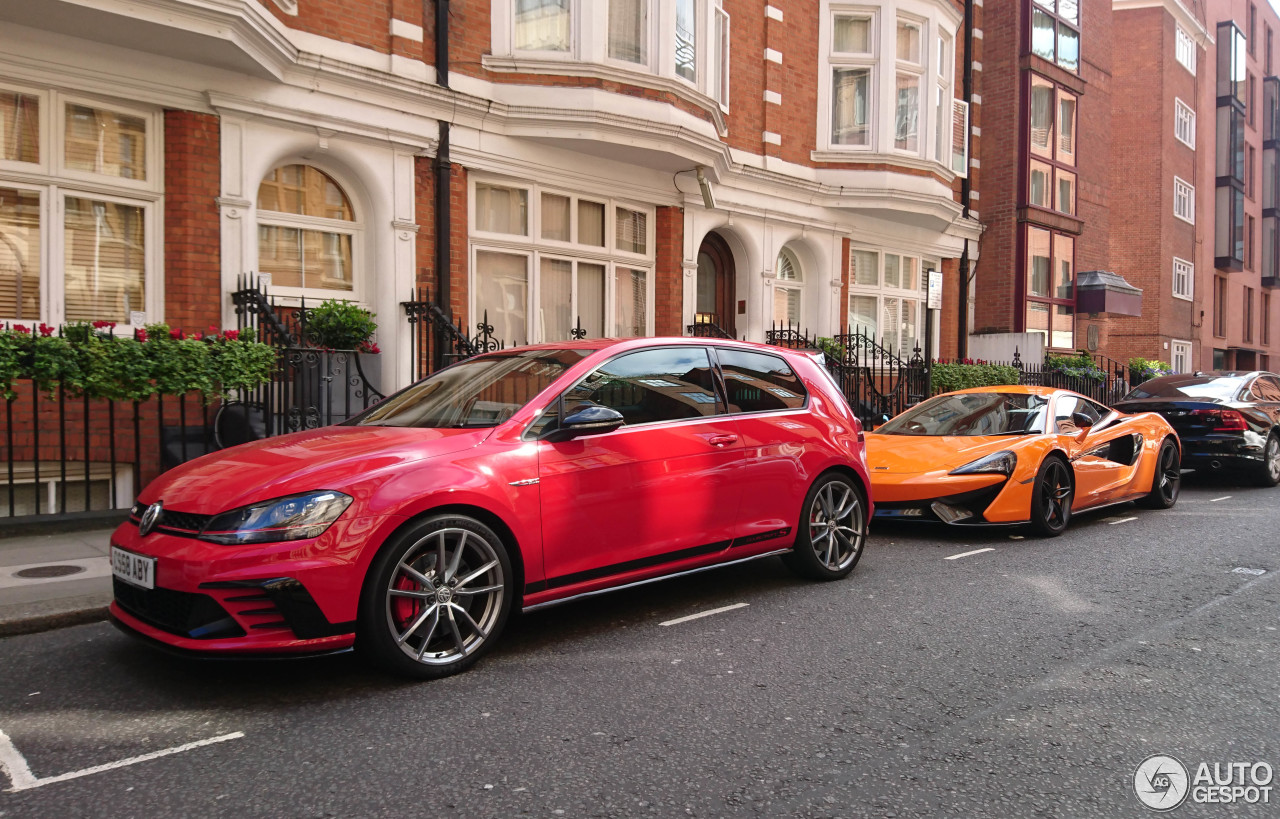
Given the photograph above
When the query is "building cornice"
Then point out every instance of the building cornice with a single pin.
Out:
(1180, 12)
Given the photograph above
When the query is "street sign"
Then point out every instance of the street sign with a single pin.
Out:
(935, 290)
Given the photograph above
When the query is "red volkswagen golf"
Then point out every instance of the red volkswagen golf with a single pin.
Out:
(521, 478)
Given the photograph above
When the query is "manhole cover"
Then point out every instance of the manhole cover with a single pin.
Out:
(38, 572)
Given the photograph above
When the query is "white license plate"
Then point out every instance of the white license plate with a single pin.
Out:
(133, 569)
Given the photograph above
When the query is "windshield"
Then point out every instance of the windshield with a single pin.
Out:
(480, 392)
(1206, 387)
(981, 413)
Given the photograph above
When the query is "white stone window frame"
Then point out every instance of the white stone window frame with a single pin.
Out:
(533, 247)
(795, 283)
(1175, 346)
(1184, 50)
(588, 53)
(921, 71)
(1185, 270)
(292, 296)
(880, 291)
(1184, 191)
(937, 21)
(54, 182)
(1184, 123)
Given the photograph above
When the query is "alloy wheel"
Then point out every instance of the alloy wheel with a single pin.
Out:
(1055, 493)
(445, 596)
(1273, 458)
(836, 525)
(1170, 468)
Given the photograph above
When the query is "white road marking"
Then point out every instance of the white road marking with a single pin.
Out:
(707, 613)
(1119, 520)
(966, 554)
(15, 765)
(1215, 500)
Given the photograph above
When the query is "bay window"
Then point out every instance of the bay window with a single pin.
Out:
(906, 122)
(542, 25)
(1055, 32)
(547, 263)
(79, 200)
(886, 298)
(629, 31)
(1051, 180)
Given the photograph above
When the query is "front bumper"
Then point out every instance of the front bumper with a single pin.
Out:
(953, 499)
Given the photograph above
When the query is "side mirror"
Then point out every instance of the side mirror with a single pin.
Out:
(588, 421)
(1081, 420)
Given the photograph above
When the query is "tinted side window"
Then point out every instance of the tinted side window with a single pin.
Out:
(650, 386)
(1067, 406)
(1266, 388)
(757, 382)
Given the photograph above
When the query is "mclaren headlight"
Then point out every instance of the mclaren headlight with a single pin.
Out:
(296, 517)
(997, 463)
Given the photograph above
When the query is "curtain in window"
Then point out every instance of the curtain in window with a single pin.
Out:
(1041, 118)
(865, 266)
(862, 315)
(502, 289)
(891, 326)
(1038, 267)
(590, 223)
(105, 266)
(555, 281)
(686, 39)
(892, 270)
(907, 115)
(555, 217)
(502, 210)
(628, 20)
(19, 254)
(542, 25)
(849, 106)
(630, 288)
(851, 35)
(632, 230)
(591, 299)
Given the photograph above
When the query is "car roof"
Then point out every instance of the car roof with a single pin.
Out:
(1026, 389)
(595, 344)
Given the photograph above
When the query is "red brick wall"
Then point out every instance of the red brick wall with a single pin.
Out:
(192, 241)
(948, 321)
(669, 272)
(360, 23)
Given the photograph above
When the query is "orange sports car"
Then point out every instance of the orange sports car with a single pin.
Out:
(1011, 455)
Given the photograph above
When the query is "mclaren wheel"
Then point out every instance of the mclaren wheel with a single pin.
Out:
(833, 530)
(1167, 481)
(436, 598)
(1051, 497)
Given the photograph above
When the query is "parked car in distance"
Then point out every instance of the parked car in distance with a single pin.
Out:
(1229, 422)
(513, 480)
(1014, 455)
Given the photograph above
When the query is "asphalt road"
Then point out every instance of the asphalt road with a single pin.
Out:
(1029, 680)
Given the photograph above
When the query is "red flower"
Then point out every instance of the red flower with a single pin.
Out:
(231, 335)
(142, 335)
(176, 334)
(369, 347)
(102, 324)
(198, 336)
(21, 328)
(45, 330)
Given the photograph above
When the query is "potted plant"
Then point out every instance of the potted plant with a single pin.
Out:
(342, 326)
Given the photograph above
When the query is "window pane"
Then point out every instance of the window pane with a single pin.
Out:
(686, 39)
(891, 317)
(105, 142)
(629, 294)
(788, 267)
(851, 35)
(1040, 185)
(786, 305)
(910, 273)
(1069, 10)
(944, 56)
(1068, 48)
(502, 210)
(1041, 118)
(907, 113)
(908, 339)
(19, 127)
(862, 315)
(892, 270)
(1064, 336)
(866, 268)
(1065, 201)
(305, 258)
(19, 254)
(757, 382)
(1038, 266)
(590, 223)
(1064, 263)
(555, 217)
(650, 386)
(502, 289)
(850, 106)
(908, 42)
(632, 230)
(706, 286)
(591, 299)
(105, 264)
(304, 191)
(542, 25)
(628, 24)
(1038, 320)
(1066, 128)
(555, 281)
(1042, 34)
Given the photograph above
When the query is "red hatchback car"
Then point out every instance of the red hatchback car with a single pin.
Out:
(520, 478)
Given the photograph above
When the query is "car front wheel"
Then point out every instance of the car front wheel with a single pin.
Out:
(833, 530)
(436, 599)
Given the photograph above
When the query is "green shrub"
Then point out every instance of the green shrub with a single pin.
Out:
(950, 377)
(339, 325)
(1144, 369)
(1080, 365)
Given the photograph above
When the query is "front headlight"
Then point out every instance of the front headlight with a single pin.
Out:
(999, 463)
(297, 517)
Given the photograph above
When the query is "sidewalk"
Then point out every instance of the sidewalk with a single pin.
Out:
(55, 580)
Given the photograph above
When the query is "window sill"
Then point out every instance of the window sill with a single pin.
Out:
(866, 156)
(1183, 298)
(641, 78)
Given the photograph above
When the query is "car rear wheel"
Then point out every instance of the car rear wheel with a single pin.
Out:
(436, 598)
(1051, 497)
(1269, 472)
(1167, 480)
(833, 530)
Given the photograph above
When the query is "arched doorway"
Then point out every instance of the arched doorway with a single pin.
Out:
(716, 294)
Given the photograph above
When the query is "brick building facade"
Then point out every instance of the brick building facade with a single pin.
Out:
(151, 154)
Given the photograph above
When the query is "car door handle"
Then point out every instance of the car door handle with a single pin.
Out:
(722, 440)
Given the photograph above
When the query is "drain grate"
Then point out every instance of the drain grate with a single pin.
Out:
(41, 572)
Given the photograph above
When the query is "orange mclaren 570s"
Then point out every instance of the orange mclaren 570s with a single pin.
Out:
(1019, 455)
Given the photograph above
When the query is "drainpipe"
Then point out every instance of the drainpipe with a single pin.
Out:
(443, 173)
(962, 327)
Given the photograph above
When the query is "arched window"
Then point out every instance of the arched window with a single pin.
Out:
(306, 231)
(787, 289)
